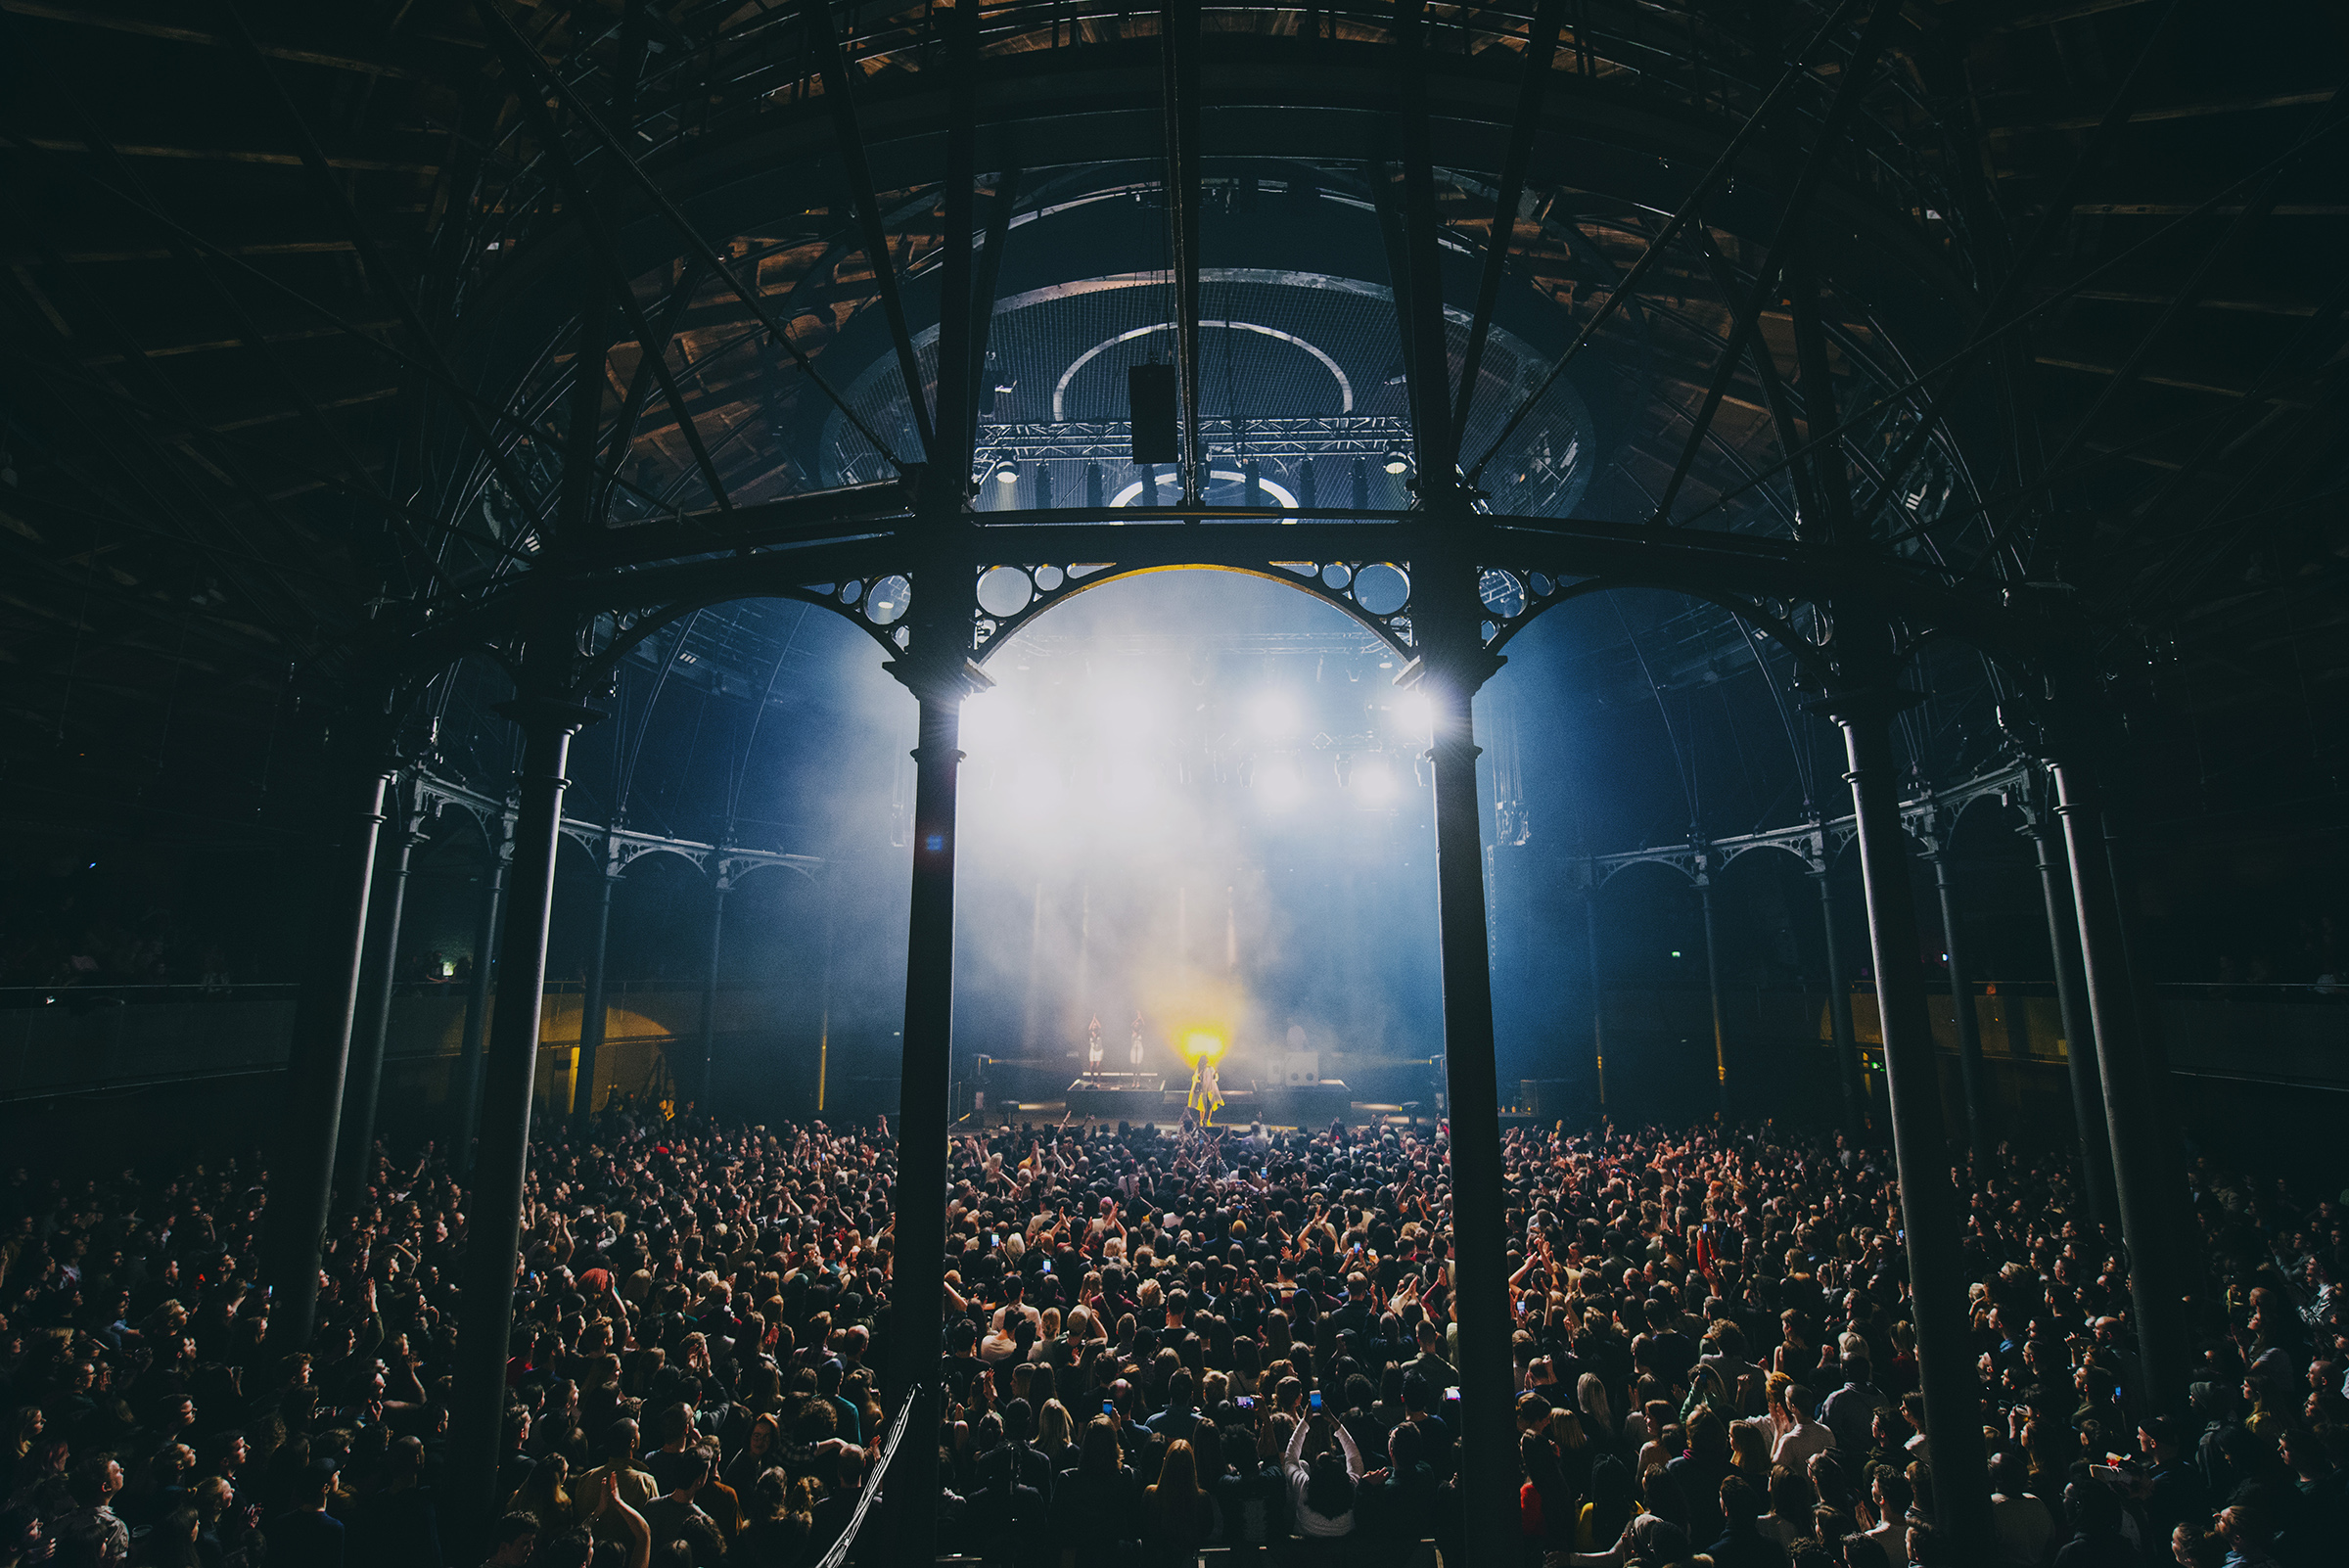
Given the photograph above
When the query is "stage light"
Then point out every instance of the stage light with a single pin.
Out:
(1398, 461)
(1415, 714)
(1009, 474)
(1275, 715)
(1203, 1045)
(1374, 783)
(1279, 787)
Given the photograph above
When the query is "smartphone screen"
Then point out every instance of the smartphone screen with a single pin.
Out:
(1313, 1399)
(1109, 1407)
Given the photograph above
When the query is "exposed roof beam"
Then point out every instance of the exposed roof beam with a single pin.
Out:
(1541, 44)
(96, 252)
(2183, 384)
(848, 136)
(226, 154)
(114, 22)
(2057, 14)
(208, 346)
(2205, 109)
(279, 416)
(2180, 208)
(1785, 238)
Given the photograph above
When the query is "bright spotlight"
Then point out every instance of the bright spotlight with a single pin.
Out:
(1203, 1045)
(1280, 786)
(1275, 715)
(1374, 783)
(1398, 461)
(1009, 474)
(1415, 714)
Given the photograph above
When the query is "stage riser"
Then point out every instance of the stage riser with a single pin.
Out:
(1303, 1105)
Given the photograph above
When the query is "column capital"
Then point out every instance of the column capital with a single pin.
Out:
(940, 678)
(1864, 704)
(1463, 671)
(539, 712)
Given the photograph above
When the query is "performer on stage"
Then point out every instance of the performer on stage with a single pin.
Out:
(1136, 1056)
(1206, 1095)
(1092, 1048)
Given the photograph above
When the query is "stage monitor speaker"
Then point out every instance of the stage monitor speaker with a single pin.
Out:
(1301, 1067)
(1150, 400)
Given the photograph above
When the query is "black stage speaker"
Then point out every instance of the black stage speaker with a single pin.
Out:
(1150, 398)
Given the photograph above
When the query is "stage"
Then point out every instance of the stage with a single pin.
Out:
(1143, 1097)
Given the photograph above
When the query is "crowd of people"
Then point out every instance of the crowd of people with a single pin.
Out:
(1157, 1340)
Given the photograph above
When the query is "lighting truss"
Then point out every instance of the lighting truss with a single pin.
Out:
(1112, 441)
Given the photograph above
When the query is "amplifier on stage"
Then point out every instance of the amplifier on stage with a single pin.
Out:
(1292, 1068)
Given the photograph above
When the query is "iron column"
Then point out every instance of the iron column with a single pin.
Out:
(1961, 1005)
(2079, 1047)
(1929, 1210)
(1455, 667)
(2139, 1179)
(316, 1065)
(1839, 1006)
(591, 1003)
(465, 1091)
(925, 1111)
(493, 1227)
(356, 1148)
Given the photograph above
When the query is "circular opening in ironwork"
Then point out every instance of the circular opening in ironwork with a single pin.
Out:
(1381, 589)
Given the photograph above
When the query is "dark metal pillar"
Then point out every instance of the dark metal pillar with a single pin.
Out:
(2079, 1043)
(925, 1111)
(1839, 1008)
(363, 1088)
(1720, 1052)
(1971, 1073)
(1929, 1209)
(493, 1223)
(591, 1002)
(304, 1168)
(1598, 995)
(1457, 664)
(717, 933)
(465, 1088)
(2139, 1169)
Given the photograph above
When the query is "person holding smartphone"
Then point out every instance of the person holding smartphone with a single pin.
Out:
(1322, 1492)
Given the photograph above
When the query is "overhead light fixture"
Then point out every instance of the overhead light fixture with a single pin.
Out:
(1009, 474)
(1398, 461)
